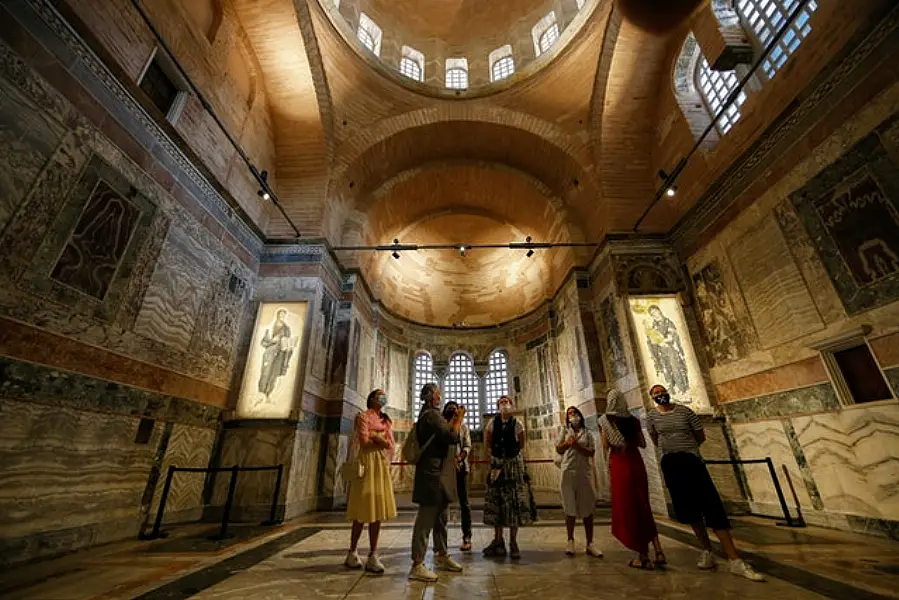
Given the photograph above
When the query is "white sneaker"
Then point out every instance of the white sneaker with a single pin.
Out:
(706, 561)
(374, 564)
(352, 560)
(447, 563)
(593, 551)
(420, 573)
(569, 548)
(740, 568)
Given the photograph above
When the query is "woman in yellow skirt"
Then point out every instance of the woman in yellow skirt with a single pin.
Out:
(371, 497)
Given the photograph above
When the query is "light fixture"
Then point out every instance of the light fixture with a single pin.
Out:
(462, 250)
(530, 250)
(672, 189)
(396, 254)
(263, 191)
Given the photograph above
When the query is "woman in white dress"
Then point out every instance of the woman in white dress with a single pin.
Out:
(576, 447)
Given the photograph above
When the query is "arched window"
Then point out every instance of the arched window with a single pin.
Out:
(369, 34)
(715, 87)
(580, 4)
(763, 18)
(423, 372)
(545, 33)
(412, 64)
(501, 63)
(457, 73)
(461, 385)
(496, 384)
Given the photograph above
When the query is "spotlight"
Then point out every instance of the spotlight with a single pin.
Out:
(396, 255)
(530, 253)
(462, 250)
(671, 191)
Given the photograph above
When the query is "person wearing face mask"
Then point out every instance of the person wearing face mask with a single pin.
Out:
(632, 522)
(460, 457)
(509, 501)
(677, 432)
(576, 446)
(371, 498)
(434, 488)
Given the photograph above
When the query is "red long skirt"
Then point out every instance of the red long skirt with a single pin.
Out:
(632, 520)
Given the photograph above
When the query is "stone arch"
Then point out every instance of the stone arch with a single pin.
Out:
(206, 15)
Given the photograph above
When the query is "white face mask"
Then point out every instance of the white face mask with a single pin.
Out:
(505, 409)
(575, 421)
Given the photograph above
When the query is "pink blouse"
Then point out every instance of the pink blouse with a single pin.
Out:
(370, 422)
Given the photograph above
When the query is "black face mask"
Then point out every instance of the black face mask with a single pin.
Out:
(662, 398)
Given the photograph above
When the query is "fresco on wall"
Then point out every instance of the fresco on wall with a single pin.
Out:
(666, 351)
(381, 377)
(725, 339)
(324, 322)
(612, 340)
(851, 211)
(353, 365)
(272, 364)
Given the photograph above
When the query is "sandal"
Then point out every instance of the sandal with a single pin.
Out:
(641, 563)
(466, 546)
(660, 559)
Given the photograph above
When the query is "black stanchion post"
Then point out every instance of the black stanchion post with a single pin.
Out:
(780, 494)
(223, 533)
(800, 521)
(272, 517)
(157, 525)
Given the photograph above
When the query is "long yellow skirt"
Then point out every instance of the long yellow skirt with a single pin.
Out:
(371, 498)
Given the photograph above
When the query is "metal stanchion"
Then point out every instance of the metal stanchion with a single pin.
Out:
(223, 533)
(800, 521)
(157, 525)
(272, 517)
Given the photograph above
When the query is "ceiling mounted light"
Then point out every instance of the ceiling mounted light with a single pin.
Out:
(462, 250)
(530, 253)
(671, 191)
(396, 254)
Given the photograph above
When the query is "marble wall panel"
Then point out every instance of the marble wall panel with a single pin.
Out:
(399, 389)
(67, 475)
(29, 137)
(322, 336)
(853, 459)
(851, 210)
(179, 285)
(302, 480)
(799, 401)
(776, 295)
(765, 439)
(187, 447)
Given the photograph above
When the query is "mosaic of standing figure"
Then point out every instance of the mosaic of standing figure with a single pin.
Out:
(726, 340)
(273, 359)
(613, 344)
(664, 342)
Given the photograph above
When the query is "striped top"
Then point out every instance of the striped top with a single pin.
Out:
(676, 430)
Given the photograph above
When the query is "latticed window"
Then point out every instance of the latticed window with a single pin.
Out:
(496, 384)
(369, 34)
(502, 68)
(580, 4)
(545, 33)
(410, 68)
(764, 18)
(423, 372)
(461, 386)
(715, 87)
(549, 37)
(457, 73)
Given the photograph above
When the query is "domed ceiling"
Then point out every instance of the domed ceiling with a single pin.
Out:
(479, 32)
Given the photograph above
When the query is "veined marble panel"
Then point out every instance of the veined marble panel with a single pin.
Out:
(776, 295)
(812, 399)
(302, 481)
(765, 439)
(64, 469)
(854, 457)
(187, 447)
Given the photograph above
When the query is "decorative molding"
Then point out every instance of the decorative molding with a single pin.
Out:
(841, 341)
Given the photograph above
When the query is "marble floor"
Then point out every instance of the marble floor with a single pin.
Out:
(303, 559)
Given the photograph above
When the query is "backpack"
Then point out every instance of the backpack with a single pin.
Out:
(411, 450)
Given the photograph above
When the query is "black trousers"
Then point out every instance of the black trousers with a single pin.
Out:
(464, 506)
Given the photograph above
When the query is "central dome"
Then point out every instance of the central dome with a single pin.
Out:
(458, 48)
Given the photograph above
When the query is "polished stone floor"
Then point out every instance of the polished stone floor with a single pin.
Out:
(304, 560)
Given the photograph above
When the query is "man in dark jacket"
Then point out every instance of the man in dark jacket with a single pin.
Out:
(435, 484)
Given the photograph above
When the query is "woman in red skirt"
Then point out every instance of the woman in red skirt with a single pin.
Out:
(632, 520)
